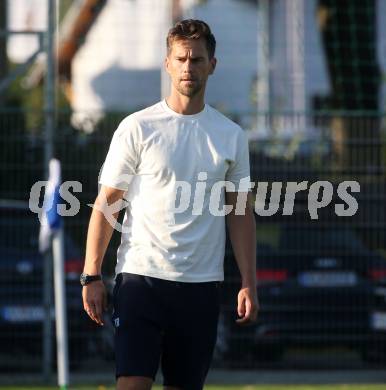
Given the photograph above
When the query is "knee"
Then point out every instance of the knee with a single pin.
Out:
(172, 388)
(134, 383)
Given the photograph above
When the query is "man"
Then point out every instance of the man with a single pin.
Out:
(170, 260)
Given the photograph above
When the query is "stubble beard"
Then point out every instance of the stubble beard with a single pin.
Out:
(189, 91)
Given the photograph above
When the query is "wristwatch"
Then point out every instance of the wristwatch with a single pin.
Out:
(87, 279)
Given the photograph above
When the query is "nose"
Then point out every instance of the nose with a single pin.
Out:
(188, 65)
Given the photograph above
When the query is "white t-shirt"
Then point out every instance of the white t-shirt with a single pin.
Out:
(168, 229)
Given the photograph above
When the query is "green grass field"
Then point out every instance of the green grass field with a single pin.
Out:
(243, 387)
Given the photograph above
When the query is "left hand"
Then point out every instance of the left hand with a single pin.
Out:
(247, 305)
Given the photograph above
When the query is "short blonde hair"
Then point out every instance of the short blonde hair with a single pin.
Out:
(192, 29)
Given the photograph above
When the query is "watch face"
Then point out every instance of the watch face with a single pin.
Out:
(83, 279)
(86, 279)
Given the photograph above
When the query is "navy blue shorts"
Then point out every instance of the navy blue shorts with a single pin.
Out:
(164, 322)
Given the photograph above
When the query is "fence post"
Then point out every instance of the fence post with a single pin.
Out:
(49, 107)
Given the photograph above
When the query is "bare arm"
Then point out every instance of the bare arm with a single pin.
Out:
(99, 234)
(242, 233)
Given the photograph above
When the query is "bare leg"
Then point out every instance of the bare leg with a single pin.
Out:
(134, 383)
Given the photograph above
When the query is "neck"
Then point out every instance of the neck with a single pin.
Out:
(185, 105)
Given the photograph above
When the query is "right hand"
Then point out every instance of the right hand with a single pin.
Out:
(95, 300)
(247, 306)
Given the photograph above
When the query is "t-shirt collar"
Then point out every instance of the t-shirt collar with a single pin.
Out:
(185, 116)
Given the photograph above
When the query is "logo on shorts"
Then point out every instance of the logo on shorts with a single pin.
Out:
(116, 322)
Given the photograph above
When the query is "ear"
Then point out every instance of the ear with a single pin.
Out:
(213, 63)
(166, 64)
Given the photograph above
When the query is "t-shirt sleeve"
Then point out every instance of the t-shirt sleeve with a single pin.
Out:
(122, 158)
(239, 170)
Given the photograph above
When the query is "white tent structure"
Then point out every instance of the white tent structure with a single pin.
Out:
(25, 15)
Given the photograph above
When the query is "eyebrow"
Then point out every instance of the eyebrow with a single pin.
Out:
(192, 58)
